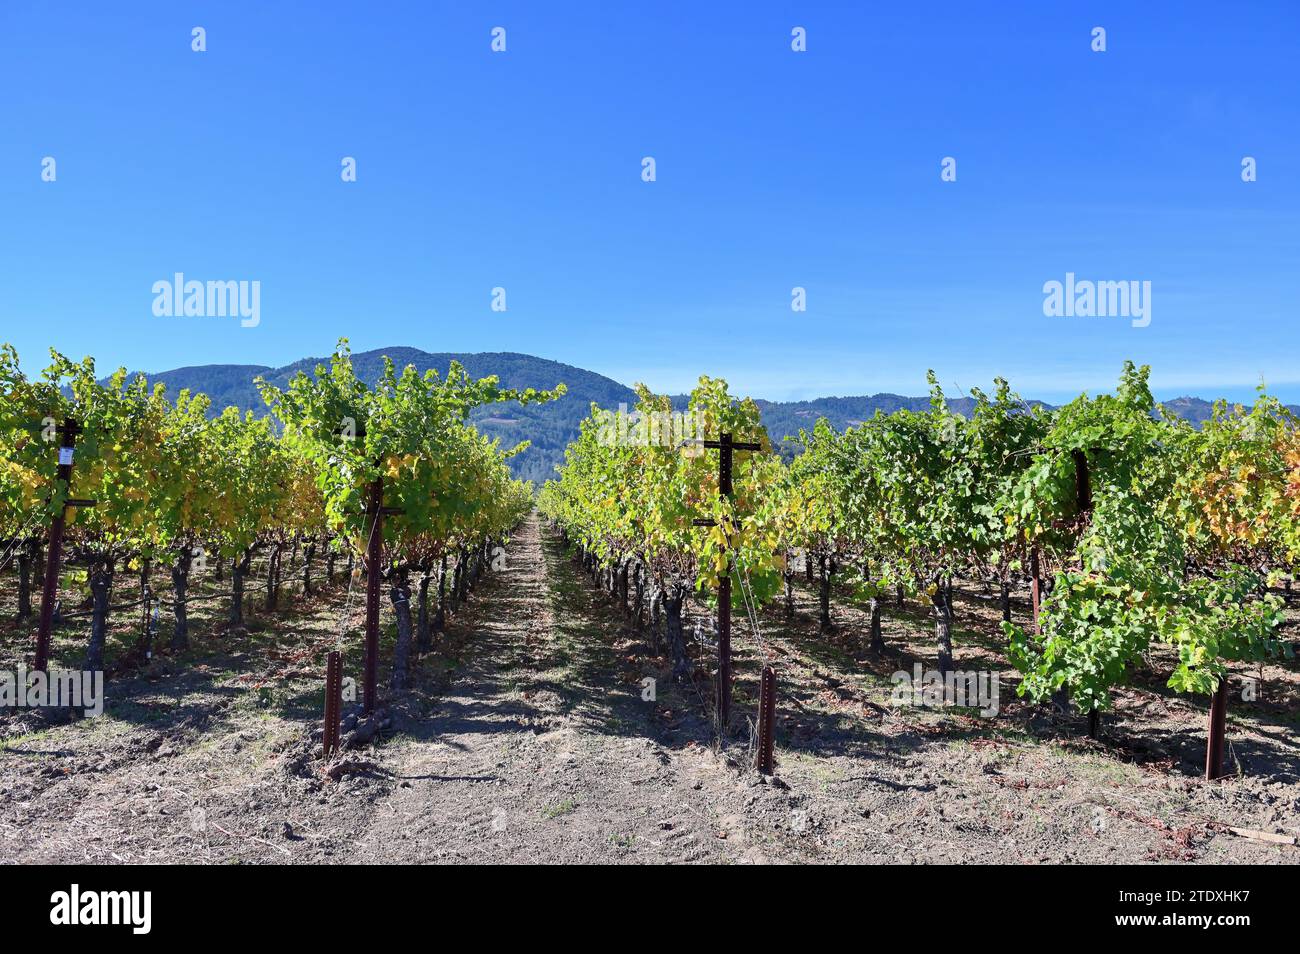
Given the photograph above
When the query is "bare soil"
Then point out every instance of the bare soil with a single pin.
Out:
(526, 737)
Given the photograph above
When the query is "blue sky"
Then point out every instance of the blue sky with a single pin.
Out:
(775, 169)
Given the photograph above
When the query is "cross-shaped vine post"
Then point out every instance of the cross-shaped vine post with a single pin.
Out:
(68, 432)
(376, 510)
(374, 556)
(725, 447)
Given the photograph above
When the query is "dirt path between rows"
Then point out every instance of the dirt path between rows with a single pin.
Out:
(526, 738)
(541, 748)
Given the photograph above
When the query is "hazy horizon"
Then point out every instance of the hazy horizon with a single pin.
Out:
(952, 387)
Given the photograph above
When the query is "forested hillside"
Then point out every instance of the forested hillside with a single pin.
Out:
(550, 427)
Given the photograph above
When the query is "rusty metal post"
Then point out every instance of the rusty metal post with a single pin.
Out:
(374, 555)
(763, 760)
(1214, 749)
(725, 447)
(333, 701)
(68, 431)
(724, 595)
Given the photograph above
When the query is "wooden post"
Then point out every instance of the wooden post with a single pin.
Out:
(68, 432)
(374, 555)
(724, 595)
(725, 447)
(1218, 719)
(25, 562)
(146, 598)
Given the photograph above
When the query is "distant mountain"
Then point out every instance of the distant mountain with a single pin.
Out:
(226, 384)
(1197, 410)
(787, 418)
(550, 427)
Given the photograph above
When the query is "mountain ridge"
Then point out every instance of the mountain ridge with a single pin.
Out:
(550, 427)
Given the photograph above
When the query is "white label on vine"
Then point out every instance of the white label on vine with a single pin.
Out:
(65, 456)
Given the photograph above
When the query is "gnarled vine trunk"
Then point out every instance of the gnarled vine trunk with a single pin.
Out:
(423, 638)
(400, 595)
(676, 635)
(440, 614)
(180, 591)
(24, 581)
(943, 625)
(640, 596)
(273, 577)
(825, 569)
(656, 607)
(308, 554)
(101, 587)
(238, 571)
(787, 576)
(877, 639)
(462, 575)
